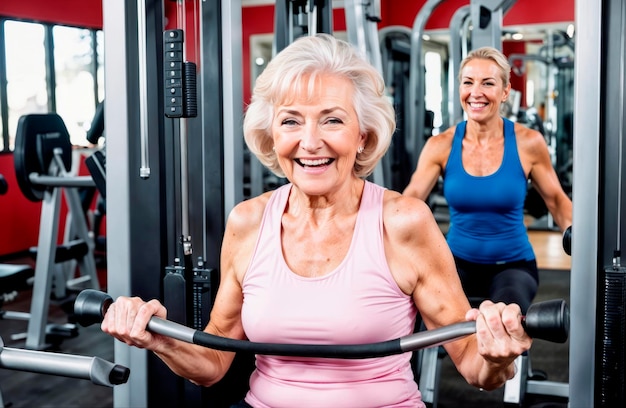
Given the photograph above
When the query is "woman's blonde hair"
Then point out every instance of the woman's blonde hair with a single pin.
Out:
(309, 57)
(490, 53)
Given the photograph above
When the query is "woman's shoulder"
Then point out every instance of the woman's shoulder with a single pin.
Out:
(249, 213)
(403, 214)
(529, 139)
(439, 146)
(444, 137)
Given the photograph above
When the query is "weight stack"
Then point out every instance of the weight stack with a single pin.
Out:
(613, 331)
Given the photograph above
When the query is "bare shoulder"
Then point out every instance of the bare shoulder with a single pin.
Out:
(443, 140)
(242, 229)
(403, 214)
(247, 214)
(528, 139)
(437, 148)
(411, 233)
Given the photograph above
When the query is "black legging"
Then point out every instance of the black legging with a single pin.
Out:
(511, 282)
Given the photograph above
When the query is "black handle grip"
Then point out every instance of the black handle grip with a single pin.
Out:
(119, 374)
(90, 306)
(567, 240)
(548, 320)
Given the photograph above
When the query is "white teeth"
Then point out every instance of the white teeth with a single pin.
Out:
(477, 105)
(317, 162)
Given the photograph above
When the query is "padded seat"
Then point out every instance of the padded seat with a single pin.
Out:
(15, 276)
(75, 249)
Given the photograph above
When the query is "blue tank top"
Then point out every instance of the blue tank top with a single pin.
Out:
(487, 213)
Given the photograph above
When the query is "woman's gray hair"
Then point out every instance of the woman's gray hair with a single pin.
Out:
(313, 56)
(489, 53)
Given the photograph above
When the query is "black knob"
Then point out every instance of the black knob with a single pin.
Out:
(90, 306)
(548, 320)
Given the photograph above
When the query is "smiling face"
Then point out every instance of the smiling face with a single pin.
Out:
(316, 135)
(482, 90)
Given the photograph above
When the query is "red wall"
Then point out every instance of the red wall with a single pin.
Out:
(19, 217)
(81, 13)
(522, 12)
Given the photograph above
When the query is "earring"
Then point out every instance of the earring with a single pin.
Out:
(360, 149)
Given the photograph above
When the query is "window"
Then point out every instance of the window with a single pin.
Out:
(433, 88)
(75, 78)
(50, 68)
(26, 72)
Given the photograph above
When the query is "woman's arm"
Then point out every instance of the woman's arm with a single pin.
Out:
(127, 318)
(430, 165)
(424, 268)
(535, 158)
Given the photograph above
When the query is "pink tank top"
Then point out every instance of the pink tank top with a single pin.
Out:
(358, 302)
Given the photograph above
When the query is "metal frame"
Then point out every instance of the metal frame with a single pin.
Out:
(459, 37)
(486, 16)
(583, 289)
(46, 250)
(142, 208)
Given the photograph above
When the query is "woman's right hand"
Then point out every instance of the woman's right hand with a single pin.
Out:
(127, 319)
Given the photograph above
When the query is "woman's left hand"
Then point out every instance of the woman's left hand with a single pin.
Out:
(500, 334)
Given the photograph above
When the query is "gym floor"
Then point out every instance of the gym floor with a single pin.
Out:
(22, 389)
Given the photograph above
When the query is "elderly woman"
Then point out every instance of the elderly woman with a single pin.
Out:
(329, 258)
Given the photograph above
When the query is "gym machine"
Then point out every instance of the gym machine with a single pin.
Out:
(395, 53)
(144, 153)
(43, 163)
(598, 284)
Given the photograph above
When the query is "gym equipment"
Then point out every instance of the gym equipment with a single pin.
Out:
(567, 240)
(556, 61)
(95, 369)
(395, 45)
(43, 158)
(96, 130)
(13, 277)
(96, 164)
(546, 320)
(526, 381)
(293, 20)
(186, 288)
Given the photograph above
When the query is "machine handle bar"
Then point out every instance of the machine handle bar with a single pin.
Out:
(547, 320)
